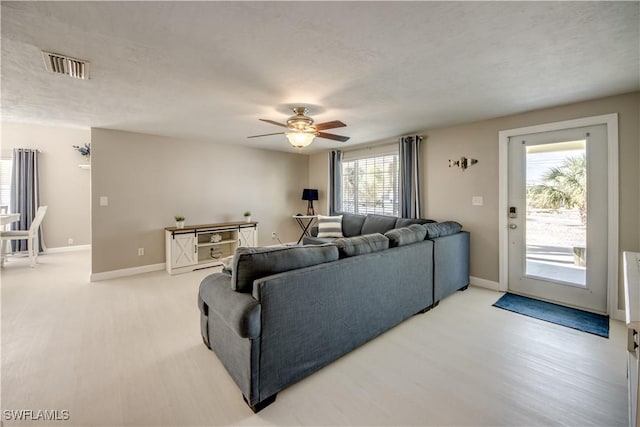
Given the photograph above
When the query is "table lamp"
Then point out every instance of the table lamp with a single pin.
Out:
(310, 194)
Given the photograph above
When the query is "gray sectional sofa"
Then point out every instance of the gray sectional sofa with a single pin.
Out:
(281, 313)
(450, 251)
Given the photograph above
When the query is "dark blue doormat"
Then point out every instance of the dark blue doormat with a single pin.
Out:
(592, 323)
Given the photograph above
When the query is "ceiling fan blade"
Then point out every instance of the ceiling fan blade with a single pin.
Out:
(330, 125)
(332, 136)
(266, 134)
(273, 123)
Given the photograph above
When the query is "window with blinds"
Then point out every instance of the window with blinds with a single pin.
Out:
(6, 166)
(370, 185)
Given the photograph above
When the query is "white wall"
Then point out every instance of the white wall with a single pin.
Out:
(150, 179)
(64, 187)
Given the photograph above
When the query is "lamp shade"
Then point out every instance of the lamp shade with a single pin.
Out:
(300, 139)
(309, 194)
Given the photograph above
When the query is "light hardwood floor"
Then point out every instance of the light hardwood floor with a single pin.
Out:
(128, 352)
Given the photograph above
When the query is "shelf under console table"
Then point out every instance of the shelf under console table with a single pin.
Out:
(202, 246)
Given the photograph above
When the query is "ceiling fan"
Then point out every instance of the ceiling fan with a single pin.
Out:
(301, 130)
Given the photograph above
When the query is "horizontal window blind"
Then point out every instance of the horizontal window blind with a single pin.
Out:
(370, 185)
(6, 166)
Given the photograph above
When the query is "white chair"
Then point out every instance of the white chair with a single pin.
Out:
(30, 235)
(4, 209)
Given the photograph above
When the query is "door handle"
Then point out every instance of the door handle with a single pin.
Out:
(513, 226)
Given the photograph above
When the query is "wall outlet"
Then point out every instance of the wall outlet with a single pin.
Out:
(477, 201)
(104, 201)
(140, 251)
(70, 242)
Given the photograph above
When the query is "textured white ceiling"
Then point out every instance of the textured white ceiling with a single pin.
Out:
(209, 70)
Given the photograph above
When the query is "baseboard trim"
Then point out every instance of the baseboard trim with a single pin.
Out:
(484, 283)
(618, 315)
(75, 248)
(113, 274)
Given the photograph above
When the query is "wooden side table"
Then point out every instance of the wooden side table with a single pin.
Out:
(305, 222)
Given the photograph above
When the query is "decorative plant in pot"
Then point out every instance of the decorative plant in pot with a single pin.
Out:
(247, 216)
(179, 221)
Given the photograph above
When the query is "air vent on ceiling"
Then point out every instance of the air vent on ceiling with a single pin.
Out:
(61, 64)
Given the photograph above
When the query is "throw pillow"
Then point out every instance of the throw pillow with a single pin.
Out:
(329, 226)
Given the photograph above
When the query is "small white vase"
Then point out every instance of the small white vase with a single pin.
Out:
(179, 224)
(247, 218)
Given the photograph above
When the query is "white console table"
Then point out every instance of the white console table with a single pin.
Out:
(201, 246)
(632, 311)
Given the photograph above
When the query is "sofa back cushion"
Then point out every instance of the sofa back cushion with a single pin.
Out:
(352, 224)
(405, 222)
(440, 229)
(329, 226)
(378, 224)
(358, 245)
(406, 235)
(250, 264)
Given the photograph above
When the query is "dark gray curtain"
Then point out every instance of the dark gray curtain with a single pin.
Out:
(335, 181)
(25, 194)
(409, 154)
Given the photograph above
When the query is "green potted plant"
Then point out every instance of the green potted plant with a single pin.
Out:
(179, 221)
(247, 216)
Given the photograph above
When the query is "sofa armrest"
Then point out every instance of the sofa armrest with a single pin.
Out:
(451, 264)
(239, 311)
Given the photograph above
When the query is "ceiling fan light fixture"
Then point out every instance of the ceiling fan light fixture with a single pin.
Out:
(300, 139)
(301, 129)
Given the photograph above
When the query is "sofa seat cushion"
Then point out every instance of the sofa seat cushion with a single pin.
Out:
(378, 224)
(250, 264)
(329, 226)
(406, 235)
(241, 312)
(441, 229)
(405, 222)
(358, 245)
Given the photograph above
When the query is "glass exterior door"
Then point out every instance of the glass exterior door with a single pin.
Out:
(558, 216)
